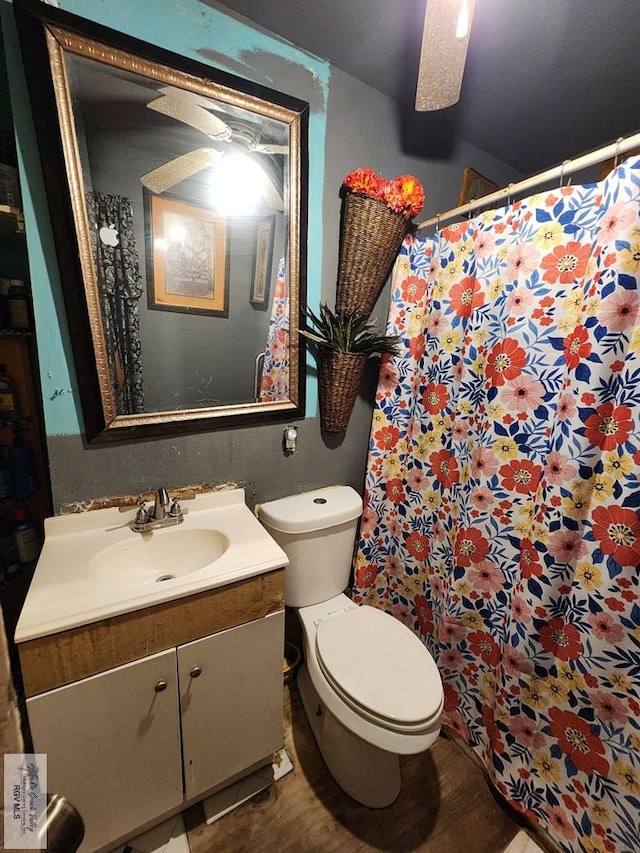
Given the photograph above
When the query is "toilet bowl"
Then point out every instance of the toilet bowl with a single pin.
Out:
(370, 689)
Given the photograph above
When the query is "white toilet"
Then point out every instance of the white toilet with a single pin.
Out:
(370, 689)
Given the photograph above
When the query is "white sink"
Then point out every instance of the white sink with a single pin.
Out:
(160, 555)
(93, 566)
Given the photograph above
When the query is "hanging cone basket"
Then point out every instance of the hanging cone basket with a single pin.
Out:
(370, 238)
(339, 375)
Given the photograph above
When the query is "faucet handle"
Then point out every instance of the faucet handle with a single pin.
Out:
(142, 515)
(175, 510)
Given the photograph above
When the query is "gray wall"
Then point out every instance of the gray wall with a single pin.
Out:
(361, 130)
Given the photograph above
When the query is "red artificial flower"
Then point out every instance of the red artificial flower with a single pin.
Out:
(471, 546)
(561, 639)
(418, 546)
(435, 398)
(617, 530)
(444, 467)
(566, 264)
(465, 296)
(609, 426)
(520, 475)
(364, 181)
(576, 347)
(575, 738)
(403, 195)
(505, 361)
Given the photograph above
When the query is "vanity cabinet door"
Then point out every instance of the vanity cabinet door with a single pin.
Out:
(113, 745)
(231, 694)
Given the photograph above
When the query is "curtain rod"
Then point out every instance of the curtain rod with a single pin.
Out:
(615, 149)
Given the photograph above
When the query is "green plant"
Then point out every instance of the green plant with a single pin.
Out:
(356, 333)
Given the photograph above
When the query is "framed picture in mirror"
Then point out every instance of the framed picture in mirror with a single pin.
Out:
(262, 262)
(186, 258)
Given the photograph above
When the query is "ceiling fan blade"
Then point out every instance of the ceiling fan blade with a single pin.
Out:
(193, 97)
(261, 148)
(178, 169)
(185, 110)
(443, 53)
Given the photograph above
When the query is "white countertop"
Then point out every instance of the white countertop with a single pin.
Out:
(65, 594)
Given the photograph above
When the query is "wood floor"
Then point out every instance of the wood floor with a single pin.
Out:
(445, 806)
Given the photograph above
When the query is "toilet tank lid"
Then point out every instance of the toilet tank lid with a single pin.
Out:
(309, 511)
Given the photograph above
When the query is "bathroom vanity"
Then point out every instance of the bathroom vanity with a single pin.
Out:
(146, 710)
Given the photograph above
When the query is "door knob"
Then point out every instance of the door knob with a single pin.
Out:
(160, 686)
(195, 671)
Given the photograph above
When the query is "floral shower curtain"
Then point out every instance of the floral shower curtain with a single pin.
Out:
(501, 517)
(274, 384)
(120, 288)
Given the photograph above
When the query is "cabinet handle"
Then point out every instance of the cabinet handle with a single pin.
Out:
(160, 686)
(195, 671)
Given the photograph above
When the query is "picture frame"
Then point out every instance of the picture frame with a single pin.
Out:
(474, 186)
(186, 257)
(262, 263)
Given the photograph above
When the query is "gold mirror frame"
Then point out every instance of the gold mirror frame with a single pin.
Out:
(47, 34)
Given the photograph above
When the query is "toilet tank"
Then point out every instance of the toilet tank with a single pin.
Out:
(317, 532)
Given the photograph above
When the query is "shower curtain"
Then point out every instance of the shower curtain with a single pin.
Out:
(274, 383)
(501, 518)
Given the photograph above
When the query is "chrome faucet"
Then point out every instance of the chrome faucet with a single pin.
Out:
(159, 516)
(160, 506)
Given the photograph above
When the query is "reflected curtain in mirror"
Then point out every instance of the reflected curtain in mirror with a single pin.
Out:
(120, 288)
(275, 370)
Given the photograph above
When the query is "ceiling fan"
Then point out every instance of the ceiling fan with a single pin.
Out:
(200, 113)
(445, 39)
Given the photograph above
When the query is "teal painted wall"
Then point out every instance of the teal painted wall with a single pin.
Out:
(198, 31)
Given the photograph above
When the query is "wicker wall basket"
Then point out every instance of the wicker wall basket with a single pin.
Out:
(370, 238)
(339, 375)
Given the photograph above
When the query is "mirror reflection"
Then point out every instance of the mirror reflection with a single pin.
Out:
(187, 200)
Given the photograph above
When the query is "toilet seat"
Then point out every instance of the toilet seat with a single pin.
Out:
(379, 668)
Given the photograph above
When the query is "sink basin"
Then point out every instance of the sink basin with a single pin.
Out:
(94, 567)
(161, 555)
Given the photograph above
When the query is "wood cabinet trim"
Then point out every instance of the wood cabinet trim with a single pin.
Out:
(68, 656)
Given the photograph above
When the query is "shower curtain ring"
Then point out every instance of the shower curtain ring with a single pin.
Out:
(437, 222)
(509, 193)
(619, 142)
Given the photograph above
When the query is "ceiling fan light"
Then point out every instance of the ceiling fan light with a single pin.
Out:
(236, 185)
(443, 53)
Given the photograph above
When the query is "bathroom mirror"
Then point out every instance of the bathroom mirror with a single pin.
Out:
(178, 196)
